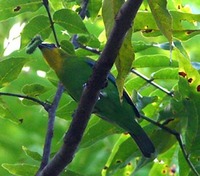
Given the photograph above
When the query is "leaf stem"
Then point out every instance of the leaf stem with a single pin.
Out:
(44, 104)
(46, 5)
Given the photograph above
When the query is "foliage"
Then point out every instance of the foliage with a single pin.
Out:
(163, 45)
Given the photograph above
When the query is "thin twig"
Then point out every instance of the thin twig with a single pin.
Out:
(93, 50)
(44, 104)
(150, 81)
(46, 5)
(178, 138)
(82, 14)
(83, 11)
(50, 128)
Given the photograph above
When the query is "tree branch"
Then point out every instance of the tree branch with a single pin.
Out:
(50, 128)
(91, 92)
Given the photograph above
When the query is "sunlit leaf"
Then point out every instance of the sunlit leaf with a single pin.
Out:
(67, 46)
(124, 61)
(33, 89)
(94, 7)
(71, 173)
(70, 21)
(90, 41)
(154, 61)
(162, 17)
(189, 89)
(10, 69)
(109, 11)
(20, 169)
(121, 154)
(34, 155)
(166, 73)
(7, 113)
(37, 25)
(10, 8)
(97, 132)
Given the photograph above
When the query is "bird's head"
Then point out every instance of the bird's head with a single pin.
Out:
(52, 54)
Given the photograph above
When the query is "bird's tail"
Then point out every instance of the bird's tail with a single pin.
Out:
(144, 143)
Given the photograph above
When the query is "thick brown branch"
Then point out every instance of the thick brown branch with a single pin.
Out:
(90, 94)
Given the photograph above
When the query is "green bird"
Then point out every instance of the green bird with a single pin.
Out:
(74, 72)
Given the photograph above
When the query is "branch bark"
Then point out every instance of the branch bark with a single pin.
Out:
(91, 92)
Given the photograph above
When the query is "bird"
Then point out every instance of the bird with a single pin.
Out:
(74, 71)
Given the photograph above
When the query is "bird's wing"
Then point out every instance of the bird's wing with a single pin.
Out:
(111, 78)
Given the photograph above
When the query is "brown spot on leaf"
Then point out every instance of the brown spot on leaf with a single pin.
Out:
(126, 133)
(198, 88)
(173, 169)
(147, 30)
(190, 80)
(21, 120)
(183, 74)
(189, 32)
(105, 167)
(16, 9)
(118, 161)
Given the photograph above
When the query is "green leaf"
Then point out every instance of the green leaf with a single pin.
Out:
(192, 130)
(7, 113)
(37, 25)
(163, 140)
(10, 8)
(67, 46)
(162, 17)
(124, 62)
(166, 163)
(10, 69)
(189, 83)
(20, 169)
(34, 155)
(66, 110)
(123, 151)
(97, 132)
(144, 101)
(70, 21)
(180, 17)
(183, 165)
(192, 76)
(34, 89)
(154, 61)
(90, 40)
(166, 73)
(93, 7)
(109, 11)
(68, 172)
(146, 23)
(140, 45)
